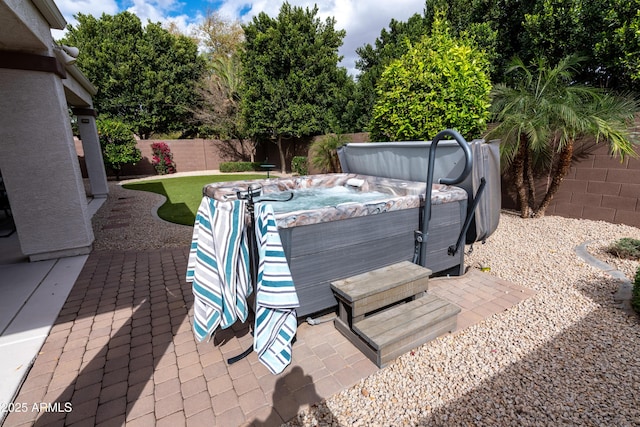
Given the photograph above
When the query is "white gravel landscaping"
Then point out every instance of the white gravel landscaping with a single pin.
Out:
(566, 356)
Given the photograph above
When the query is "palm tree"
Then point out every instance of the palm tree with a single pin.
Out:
(542, 114)
(226, 71)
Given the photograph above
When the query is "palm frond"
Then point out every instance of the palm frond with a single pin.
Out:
(545, 109)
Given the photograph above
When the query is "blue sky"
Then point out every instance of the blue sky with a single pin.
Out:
(362, 19)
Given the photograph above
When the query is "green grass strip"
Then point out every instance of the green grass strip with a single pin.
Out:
(183, 193)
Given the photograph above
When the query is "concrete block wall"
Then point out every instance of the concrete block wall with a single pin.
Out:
(207, 154)
(188, 154)
(600, 187)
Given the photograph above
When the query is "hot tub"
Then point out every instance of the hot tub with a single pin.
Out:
(327, 243)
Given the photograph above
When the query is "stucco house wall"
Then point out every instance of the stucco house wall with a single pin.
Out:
(38, 161)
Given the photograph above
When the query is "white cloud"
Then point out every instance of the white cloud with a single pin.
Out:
(86, 7)
(186, 24)
(362, 19)
(163, 11)
(96, 8)
(154, 11)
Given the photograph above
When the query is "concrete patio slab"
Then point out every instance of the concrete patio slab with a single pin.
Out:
(19, 281)
(47, 285)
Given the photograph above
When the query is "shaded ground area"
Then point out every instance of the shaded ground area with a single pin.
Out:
(122, 350)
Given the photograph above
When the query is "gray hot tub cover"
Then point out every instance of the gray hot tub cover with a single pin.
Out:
(409, 160)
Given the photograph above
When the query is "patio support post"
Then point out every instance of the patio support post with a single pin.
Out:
(92, 151)
(40, 166)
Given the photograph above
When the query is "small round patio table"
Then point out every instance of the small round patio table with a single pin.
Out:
(268, 167)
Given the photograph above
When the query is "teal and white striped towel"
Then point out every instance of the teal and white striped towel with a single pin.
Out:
(218, 266)
(276, 297)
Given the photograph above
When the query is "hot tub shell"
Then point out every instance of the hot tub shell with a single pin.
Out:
(332, 243)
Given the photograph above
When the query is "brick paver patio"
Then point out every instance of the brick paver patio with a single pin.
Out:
(122, 353)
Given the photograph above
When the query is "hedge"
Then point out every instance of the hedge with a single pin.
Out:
(226, 167)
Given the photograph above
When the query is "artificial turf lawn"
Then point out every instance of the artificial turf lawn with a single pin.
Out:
(183, 194)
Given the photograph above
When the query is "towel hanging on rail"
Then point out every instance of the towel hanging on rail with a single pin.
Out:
(276, 297)
(218, 266)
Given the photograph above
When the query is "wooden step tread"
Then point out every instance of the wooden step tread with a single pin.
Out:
(405, 320)
(376, 281)
(379, 288)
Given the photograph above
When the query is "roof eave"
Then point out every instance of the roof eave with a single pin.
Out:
(51, 13)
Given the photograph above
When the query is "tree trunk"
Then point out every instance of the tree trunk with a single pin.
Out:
(564, 164)
(519, 171)
(251, 149)
(335, 162)
(283, 168)
(531, 181)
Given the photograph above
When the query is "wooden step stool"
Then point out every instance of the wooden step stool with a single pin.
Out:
(387, 312)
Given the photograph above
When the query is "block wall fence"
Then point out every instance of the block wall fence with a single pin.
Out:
(598, 186)
(603, 188)
(188, 154)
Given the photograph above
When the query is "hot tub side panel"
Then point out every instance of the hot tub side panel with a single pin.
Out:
(447, 220)
(321, 253)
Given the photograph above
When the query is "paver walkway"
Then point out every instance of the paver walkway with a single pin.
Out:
(479, 295)
(122, 352)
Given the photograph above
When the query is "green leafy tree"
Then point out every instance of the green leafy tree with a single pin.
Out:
(465, 19)
(344, 112)
(563, 29)
(440, 83)
(468, 19)
(621, 53)
(373, 59)
(219, 114)
(118, 145)
(495, 25)
(542, 115)
(290, 75)
(606, 31)
(146, 77)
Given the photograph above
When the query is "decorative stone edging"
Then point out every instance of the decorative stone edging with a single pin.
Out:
(622, 297)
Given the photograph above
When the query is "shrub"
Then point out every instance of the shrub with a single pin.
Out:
(440, 83)
(240, 167)
(163, 158)
(625, 248)
(635, 293)
(299, 165)
(324, 154)
(118, 145)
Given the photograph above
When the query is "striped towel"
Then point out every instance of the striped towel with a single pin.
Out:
(218, 266)
(276, 297)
